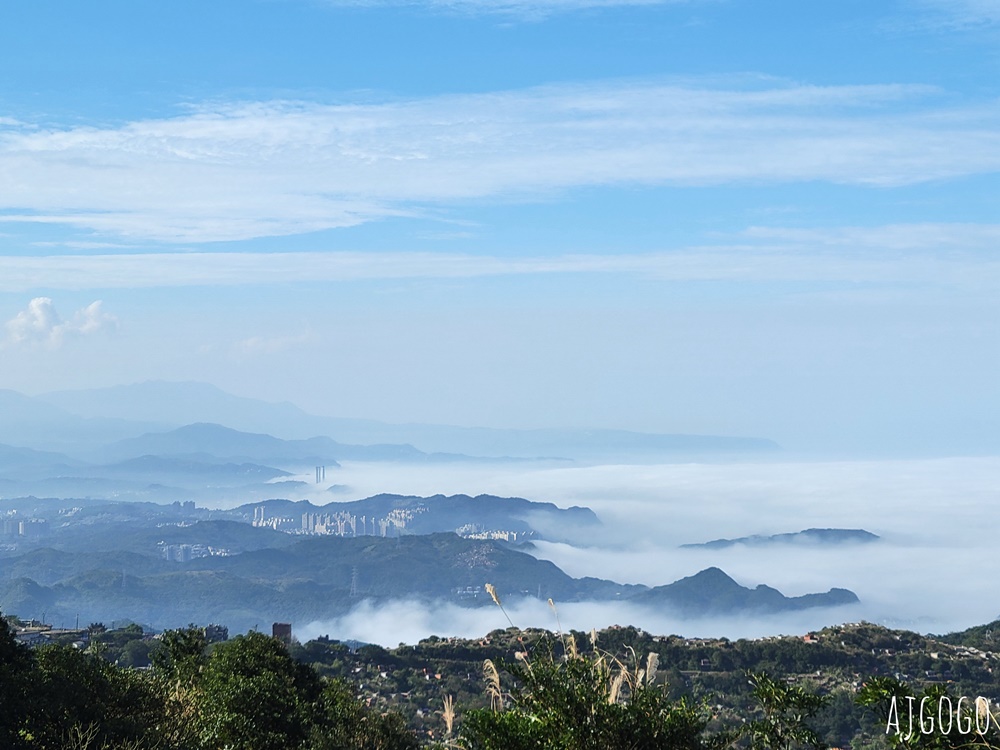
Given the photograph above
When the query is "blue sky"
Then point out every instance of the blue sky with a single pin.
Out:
(714, 216)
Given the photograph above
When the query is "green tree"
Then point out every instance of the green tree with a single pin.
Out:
(786, 712)
(344, 723)
(582, 703)
(900, 710)
(181, 655)
(254, 696)
(73, 692)
(136, 653)
(16, 665)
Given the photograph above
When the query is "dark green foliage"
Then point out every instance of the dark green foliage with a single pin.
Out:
(786, 710)
(16, 666)
(344, 723)
(137, 653)
(73, 691)
(181, 656)
(840, 719)
(505, 730)
(245, 694)
(595, 702)
(253, 692)
(981, 636)
(898, 707)
(254, 696)
(53, 694)
(250, 694)
(584, 703)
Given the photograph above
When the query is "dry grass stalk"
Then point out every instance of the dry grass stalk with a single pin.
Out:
(492, 591)
(574, 652)
(569, 645)
(616, 687)
(493, 689)
(80, 737)
(652, 662)
(449, 714)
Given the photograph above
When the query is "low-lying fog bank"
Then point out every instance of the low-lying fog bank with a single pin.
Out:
(408, 622)
(933, 570)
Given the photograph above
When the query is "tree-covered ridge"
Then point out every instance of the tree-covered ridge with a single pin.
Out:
(620, 687)
(834, 662)
(243, 694)
(985, 637)
(115, 570)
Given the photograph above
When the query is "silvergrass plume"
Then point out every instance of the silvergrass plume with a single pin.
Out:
(449, 714)
(493, 689)
(652, 662)
(616, 686)
(492, 591)
(566, 647)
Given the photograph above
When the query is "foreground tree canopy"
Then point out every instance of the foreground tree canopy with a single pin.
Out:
(581, 703)
(250, 694)
(245, 694)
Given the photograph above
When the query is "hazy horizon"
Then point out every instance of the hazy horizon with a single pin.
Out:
(770, 220)
(675, 217)
(928, 513)
(180, 411)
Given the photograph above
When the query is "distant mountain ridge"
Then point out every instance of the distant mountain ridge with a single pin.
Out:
(448, 513)
(712, 591)
(12, 457)
(809, 536)
(34, 423)
(225, 443)
(165, 405)
(319, 577)
(148, 466)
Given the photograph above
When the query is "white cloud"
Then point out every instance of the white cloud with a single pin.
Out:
(916, 236)
(523, 8)
(929, 513)
(232, 172)
(40, 323)
(966, 12)
(267, 345)
(408, 621)
(943, 255)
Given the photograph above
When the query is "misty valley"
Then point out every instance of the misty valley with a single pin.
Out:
(142, 504)
(149, 527)
(396, 570)
(499, 375)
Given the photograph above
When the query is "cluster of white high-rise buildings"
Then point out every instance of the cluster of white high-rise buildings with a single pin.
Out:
(278, 523)
(187, 552)
(348, 524)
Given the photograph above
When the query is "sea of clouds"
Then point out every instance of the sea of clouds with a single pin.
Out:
(934, 569)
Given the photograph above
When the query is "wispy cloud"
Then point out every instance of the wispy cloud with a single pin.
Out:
(964, 12)
(944, 255)
(530, 9)
(268, 345)
(914, 236)
(233, 172)
(40, 324)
